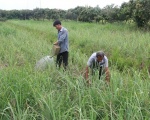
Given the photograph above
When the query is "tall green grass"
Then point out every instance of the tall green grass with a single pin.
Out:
(26, 94)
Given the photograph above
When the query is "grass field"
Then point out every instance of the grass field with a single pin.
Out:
(26, 94)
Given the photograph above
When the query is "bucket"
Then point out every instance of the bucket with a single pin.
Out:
(55, 50)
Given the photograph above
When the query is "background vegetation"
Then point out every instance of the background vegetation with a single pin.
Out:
(137, 11)
(26, 94)
(27, 35)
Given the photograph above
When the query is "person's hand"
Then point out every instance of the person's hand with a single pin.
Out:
(56, 43)
(89, 83)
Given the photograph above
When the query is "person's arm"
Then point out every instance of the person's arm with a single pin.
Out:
(107, 73)
(87, 69)
(87, 75)
(107, 78)
(87, 72)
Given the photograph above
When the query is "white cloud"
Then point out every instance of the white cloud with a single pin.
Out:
(60, 4)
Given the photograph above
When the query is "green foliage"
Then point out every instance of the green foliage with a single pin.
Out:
(87, 15)
(125, 12)
(141, 13)
(98, 18)
(71, 15)
(3, 19)
(110, 13)
(134, 10)
(26, 94)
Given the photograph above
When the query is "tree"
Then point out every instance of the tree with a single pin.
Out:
(48, 13)
(70, 15)
(26, 14)
(125, 12)
(141, 12)
(87, 15)
(13, 14)
(98, 18)
(110, 13)
(3, 15)
(39, 14)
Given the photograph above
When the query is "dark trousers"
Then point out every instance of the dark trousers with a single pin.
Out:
(96, 66)
(62, 57)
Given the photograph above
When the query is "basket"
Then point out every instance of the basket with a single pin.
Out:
(55, 50)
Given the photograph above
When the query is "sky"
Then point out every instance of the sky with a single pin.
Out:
(59, 4)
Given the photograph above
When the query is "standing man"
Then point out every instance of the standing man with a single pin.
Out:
(63, 42)
(98, 61)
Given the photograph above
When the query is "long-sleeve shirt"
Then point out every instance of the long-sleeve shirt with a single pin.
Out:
(63, 40)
